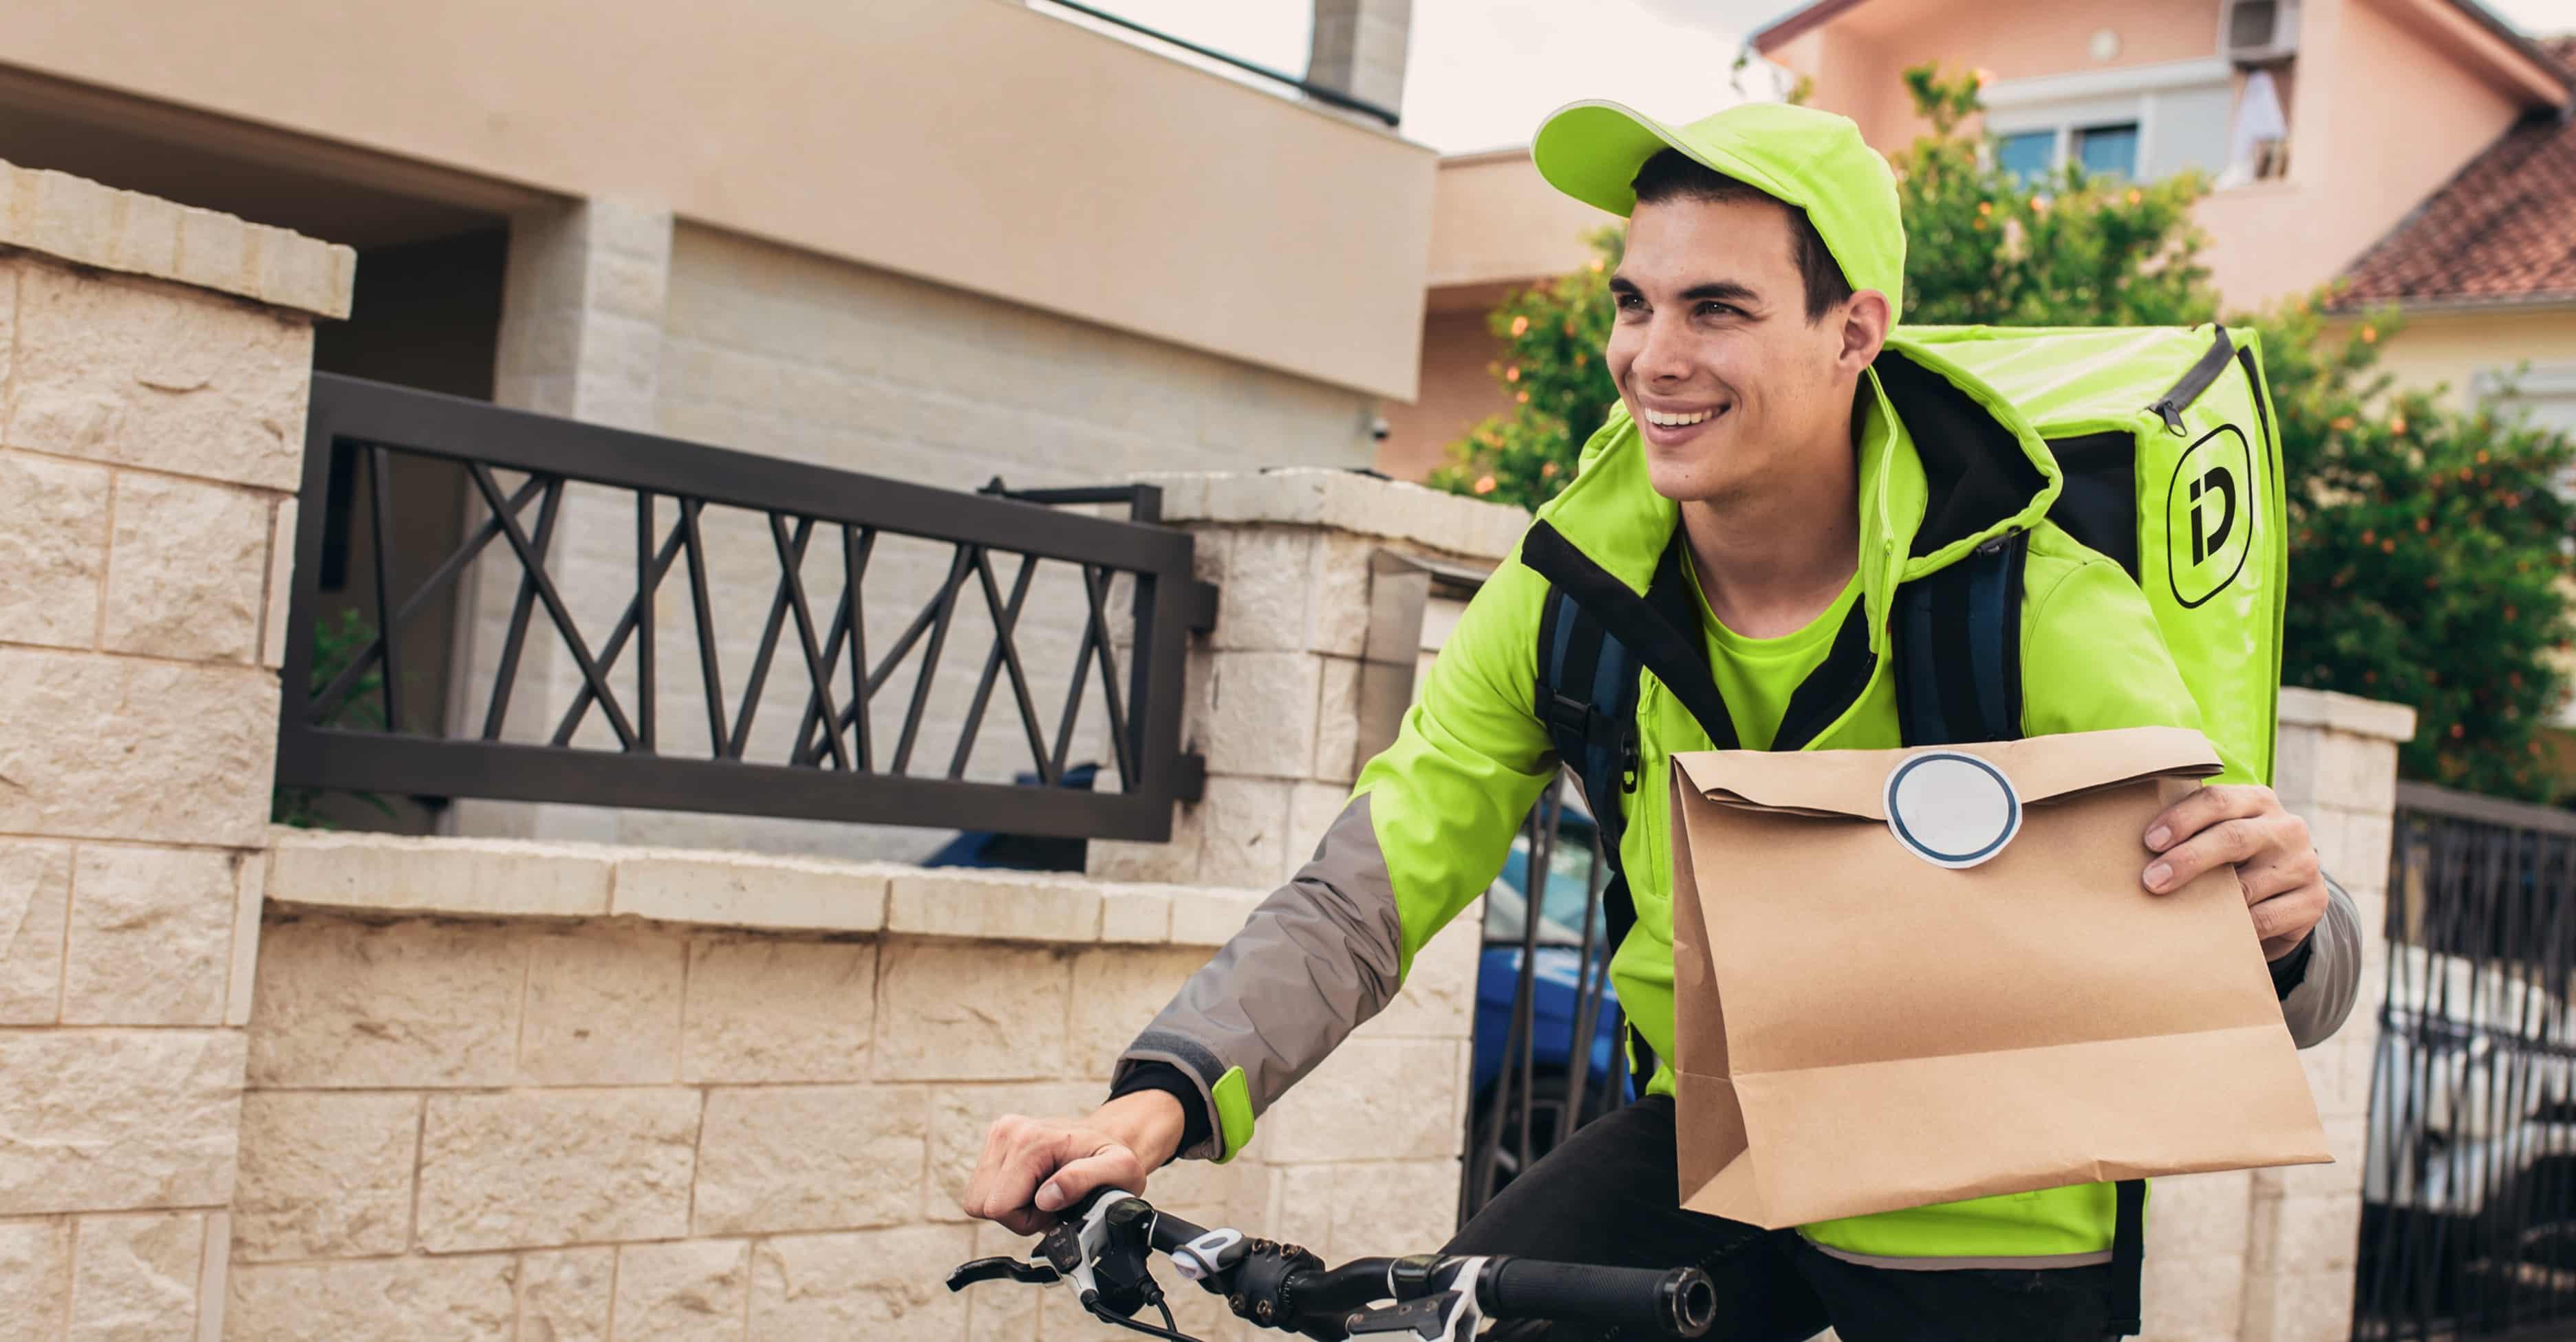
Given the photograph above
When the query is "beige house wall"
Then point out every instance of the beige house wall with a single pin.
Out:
(1071, 172)
(2388, 98)
(2459, 349)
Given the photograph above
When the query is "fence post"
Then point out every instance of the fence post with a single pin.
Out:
(158, 362)
(2337, 767)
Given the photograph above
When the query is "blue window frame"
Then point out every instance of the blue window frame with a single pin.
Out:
(2028, 155)
(2110, 151)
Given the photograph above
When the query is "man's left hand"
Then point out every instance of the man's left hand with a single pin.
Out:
(2243, 826)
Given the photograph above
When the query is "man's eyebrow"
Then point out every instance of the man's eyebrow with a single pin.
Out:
(1722, 291)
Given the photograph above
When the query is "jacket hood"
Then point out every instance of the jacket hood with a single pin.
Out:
(1946, 464)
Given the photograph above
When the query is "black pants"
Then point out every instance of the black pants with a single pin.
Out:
(1608, 1196)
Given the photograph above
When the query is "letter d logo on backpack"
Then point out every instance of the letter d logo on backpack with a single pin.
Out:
(2209, 515)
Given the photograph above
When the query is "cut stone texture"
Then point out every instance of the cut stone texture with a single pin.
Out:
(381, 1300)
(1267, 584)
(35, 1279)
(811, 1158)
(345, 1004)
(995, 905)
(145, 374)
(536, 1169)
(1363, 1103)
(35, 892)
(603, 1009)
(1211, 917)
(742, 890)
(975, 1011)
(563, 1296)
(1394, 1208)
(766, 1009)
(960, 1117)
(1246, 823)
(324, 1175)
(1115, 992)
(1135, 917)
(135, 1278)
(867, 1283)
(188, 571)
(439, 875)
(250, 899)
(103, 1120)
(691, 1291)
(115, 747)
(151, 936)
(53, 543)
(281, 586)
(1262, 715)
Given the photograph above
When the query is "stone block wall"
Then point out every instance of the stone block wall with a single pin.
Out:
(154, 363)
(503, 1090)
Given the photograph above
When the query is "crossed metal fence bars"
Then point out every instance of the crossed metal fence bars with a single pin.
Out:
(843, 763)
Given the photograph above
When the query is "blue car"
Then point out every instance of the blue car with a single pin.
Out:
(1553, 992)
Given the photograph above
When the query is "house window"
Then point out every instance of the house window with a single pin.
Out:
(2028, 155)
(2108, 150)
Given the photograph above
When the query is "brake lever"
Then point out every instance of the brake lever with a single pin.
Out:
(1003, 1268)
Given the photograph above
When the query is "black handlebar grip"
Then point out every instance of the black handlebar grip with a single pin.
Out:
(1679, 1302)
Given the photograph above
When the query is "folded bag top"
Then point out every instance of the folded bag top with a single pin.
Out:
(1863, 1026)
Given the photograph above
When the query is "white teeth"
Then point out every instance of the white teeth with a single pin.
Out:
(1676, 421)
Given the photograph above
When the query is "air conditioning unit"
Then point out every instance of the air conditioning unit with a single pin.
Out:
(2259, 32)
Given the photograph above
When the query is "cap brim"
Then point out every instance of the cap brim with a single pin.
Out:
(1592, 150)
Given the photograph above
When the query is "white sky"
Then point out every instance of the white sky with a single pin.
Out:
(1482, 73)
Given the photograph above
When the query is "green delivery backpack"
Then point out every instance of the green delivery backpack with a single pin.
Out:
(2165, 437)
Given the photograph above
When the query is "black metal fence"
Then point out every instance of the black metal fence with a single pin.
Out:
(1545, 1062)
(2469, 1186)
(681, 728)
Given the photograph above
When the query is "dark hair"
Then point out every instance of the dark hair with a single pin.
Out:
(1672, 175)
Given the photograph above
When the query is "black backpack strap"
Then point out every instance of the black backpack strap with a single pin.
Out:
(1594, 637)
(1958, 648)
(2128, 1259)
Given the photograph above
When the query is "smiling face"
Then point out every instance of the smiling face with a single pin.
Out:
(1731, 384)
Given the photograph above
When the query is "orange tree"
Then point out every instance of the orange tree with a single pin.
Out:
(2427, 545)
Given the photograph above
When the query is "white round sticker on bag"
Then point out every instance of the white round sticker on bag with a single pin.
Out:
(1951, 809)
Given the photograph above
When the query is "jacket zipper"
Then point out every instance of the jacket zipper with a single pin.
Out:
(2195, 380)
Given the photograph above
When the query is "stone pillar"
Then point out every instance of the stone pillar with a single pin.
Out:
(1311, 662)
(1358, 47)
(2337, 767)
(581, 338)
(157, 361)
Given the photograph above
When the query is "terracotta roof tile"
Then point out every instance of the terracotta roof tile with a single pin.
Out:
(2502, 231)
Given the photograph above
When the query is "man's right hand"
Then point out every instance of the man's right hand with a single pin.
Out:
(1035, 1167)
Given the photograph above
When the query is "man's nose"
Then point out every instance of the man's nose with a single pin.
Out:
(1666, 356)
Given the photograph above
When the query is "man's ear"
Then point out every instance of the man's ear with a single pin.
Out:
(1865, 319)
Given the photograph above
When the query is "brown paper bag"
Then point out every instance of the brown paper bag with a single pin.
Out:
(1861, 1028)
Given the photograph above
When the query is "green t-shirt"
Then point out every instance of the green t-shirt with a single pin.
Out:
(1757, 675)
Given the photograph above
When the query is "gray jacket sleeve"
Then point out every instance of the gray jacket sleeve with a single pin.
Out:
(1318, 957)
(2316, 1008)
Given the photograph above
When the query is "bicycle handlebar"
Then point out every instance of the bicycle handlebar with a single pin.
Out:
(1284, 1287)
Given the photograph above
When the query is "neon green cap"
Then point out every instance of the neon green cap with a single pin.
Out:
(1814, 160)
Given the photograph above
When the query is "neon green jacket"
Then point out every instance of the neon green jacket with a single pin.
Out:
(1432, 818)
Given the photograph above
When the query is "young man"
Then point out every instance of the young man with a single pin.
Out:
(1794, 461)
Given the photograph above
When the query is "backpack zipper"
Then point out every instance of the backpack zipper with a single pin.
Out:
(2195, 380)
